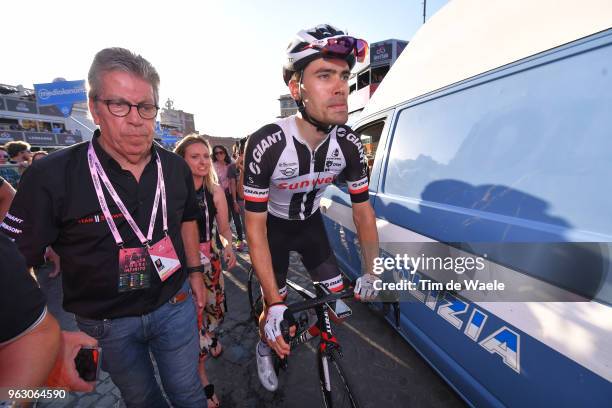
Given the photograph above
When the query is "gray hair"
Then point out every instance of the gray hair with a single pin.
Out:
(120, 59)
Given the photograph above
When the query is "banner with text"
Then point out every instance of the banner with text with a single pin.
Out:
(62, 94)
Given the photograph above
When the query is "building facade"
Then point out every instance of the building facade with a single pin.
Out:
(287, 106)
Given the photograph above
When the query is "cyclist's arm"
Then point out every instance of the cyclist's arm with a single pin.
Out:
(365, 223)
(357, 177)
(261, 154)
(259, 249)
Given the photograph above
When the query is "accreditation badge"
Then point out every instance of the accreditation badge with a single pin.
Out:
(134, 273)
(164, 258)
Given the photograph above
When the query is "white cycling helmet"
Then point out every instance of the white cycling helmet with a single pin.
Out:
(313, 43)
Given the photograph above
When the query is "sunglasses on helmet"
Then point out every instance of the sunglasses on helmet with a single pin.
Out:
(341, 47)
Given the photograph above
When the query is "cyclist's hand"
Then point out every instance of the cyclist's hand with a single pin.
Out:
(364, 287)
(274, 336)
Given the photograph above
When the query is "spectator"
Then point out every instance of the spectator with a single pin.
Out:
(213, 206)
(9, 173)
(19, 152)
(33, 351)
(240, 179)
(227, 180)
(4, 156)
(113, 274)
(39, 155)
(6, 197)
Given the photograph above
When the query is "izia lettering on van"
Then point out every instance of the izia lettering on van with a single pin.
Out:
(451, 309)
(504, 342)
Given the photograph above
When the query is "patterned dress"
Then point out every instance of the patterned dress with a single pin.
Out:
(213, 276)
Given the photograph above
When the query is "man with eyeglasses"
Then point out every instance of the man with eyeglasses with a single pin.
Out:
(288, 165)
(121, 213)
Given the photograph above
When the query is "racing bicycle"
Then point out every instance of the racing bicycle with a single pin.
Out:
(334, 384)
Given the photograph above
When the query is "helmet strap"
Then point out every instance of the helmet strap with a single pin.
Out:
(321, 127)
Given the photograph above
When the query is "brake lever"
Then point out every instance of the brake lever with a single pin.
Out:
(284, 326)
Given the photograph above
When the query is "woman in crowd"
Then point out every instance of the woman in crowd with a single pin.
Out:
(226, 171)
(212, 201)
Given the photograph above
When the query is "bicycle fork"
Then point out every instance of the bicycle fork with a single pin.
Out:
(328, 348)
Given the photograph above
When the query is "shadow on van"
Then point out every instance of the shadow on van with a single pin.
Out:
(512, 228)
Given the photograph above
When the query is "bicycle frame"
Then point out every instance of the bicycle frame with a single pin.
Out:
(328, 350)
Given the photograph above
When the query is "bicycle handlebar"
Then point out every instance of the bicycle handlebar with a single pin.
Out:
(312, 303)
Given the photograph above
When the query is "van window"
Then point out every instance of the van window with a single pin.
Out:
(370, 136)
(523, 158)
(535, 145)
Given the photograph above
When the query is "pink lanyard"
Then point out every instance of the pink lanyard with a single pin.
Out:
(206, 215)
(97, 172)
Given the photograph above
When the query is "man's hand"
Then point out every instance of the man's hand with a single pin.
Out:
(236, 207)
(276, 314)
(230, 257)
(64, 373)
(196, 281)
(364, 287)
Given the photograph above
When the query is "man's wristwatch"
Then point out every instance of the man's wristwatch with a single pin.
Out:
(194, 269)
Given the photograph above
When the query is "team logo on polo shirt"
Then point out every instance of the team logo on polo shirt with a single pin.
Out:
(94, 219)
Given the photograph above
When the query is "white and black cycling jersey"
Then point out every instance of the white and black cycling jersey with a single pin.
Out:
(285, 177)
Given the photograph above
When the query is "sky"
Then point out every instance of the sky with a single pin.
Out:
(220, 60)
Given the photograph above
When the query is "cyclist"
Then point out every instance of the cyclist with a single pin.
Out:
(288, 165)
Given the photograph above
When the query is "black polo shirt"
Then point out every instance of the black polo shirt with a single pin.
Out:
(56, 204)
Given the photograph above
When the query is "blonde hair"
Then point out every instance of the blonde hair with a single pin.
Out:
(211, 180)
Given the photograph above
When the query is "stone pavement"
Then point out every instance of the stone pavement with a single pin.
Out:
(385, 370)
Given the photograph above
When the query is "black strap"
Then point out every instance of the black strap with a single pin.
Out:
(321, 127)
(209, 391)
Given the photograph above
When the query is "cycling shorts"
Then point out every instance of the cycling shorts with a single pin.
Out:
(309, 239)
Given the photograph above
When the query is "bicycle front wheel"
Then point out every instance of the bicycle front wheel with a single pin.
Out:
(335, 388)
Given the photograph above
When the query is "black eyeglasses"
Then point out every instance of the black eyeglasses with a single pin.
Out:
(122, 108)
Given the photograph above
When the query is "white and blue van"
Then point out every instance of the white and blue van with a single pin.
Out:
(495, 127)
